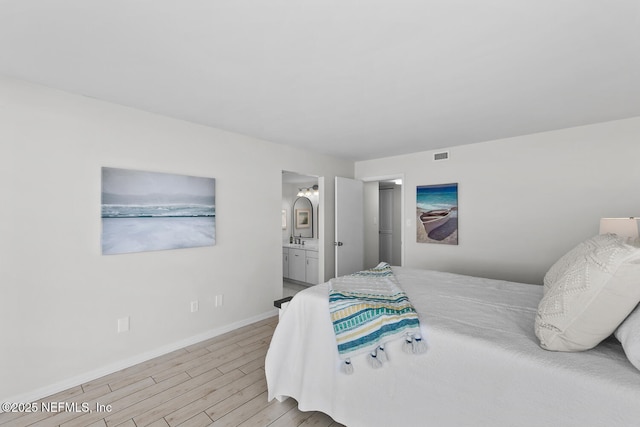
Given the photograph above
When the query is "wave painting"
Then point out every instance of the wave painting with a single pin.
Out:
(150, 211)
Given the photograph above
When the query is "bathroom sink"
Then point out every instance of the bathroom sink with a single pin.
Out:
(299, 246)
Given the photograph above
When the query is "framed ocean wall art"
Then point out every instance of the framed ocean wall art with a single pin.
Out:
(437, 214)
(150, 211)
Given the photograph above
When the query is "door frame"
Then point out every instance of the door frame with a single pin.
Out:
(319, 219)
(403, 223)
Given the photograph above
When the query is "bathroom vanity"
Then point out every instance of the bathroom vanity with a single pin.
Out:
(300, 263)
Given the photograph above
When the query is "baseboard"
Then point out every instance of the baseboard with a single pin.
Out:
(40, 393)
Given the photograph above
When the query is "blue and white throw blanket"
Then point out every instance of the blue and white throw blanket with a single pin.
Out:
(368, 309)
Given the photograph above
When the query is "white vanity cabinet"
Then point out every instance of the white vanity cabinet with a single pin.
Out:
(297, 262)
(285, 263)
(311, 272)
(300, 264)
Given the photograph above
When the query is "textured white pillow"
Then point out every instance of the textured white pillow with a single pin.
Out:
(628, 333)
(567, 260)
(590, 295)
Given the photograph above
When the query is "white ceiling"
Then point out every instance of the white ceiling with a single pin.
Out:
(358, 79)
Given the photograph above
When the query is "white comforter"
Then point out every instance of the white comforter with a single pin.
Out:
(483, 366)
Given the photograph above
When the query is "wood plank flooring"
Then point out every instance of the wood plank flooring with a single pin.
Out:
(218, 382)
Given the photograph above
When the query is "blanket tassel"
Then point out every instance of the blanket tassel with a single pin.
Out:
(418, 345)
(347, 367)
(407, 345)
(374, 361)
(414, 344)
(382, 355)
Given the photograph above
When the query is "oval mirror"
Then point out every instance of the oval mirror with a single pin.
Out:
(302, 218)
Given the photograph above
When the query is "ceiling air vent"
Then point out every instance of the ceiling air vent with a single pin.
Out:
(443, 155)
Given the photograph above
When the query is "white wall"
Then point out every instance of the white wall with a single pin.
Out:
(523, 201)
(61, 297)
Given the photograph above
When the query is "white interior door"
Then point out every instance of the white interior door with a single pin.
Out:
(349, 226)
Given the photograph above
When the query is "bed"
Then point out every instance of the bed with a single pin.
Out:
(483, 367)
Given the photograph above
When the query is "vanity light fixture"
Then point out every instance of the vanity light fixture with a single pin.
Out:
(308, 191)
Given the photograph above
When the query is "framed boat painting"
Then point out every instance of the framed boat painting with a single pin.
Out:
(437, 214)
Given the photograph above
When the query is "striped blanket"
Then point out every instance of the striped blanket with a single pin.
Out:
(368, 309)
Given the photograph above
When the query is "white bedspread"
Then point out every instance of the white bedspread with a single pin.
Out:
(483, 366)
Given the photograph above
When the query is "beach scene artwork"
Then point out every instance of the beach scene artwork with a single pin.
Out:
(437, 214)
(302, 218)
(151, 211)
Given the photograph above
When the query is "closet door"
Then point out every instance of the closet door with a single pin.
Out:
(386, 225)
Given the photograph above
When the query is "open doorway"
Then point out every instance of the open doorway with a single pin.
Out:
(390, 241)
(301, 249)
(383, 200)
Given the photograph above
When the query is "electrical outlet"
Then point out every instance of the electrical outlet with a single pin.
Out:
(194, 306)
(123, 324)
(219, 300)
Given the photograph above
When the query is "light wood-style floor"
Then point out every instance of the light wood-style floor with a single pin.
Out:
(218, 382)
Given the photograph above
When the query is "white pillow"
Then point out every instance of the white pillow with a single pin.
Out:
(590, 295)
(567, 260)
(628, 333)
